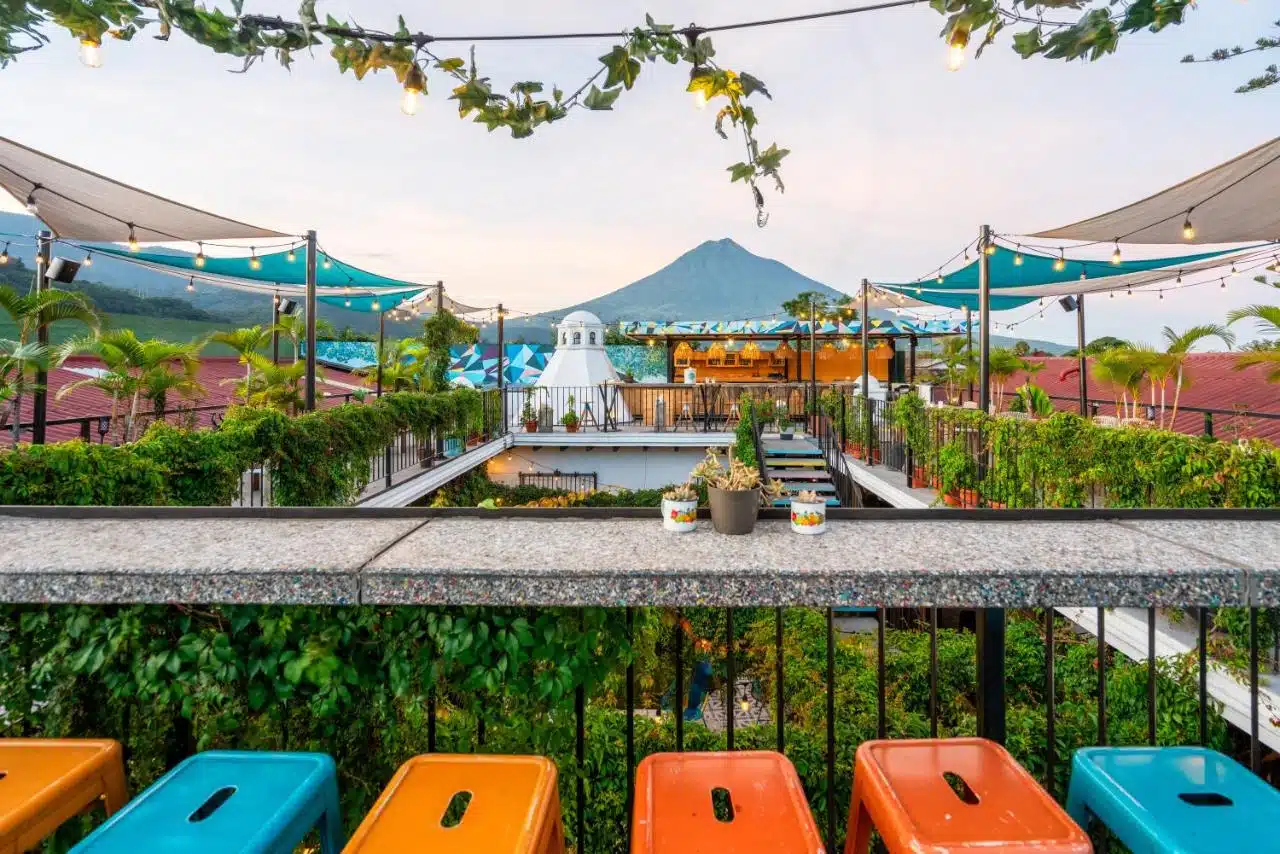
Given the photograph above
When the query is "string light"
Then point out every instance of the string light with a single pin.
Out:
(4, 256)
(415, 83)
(990, 249)
(327, 263)
(133, 239)
(255, 263)
(1234, 271)
(376, 306)
(1017, 256)
(199, 254)
(347, 303)
(1179, 280)
(956, 44)
(32, 207)
(1188, 230)
(1111, 295)
(1222, 283)
(1083, 275)
(88, 260)
(1161, 294)
(966, 253)
(1128, 292)
(1060, 263)
(91, 51)
(291, 256)
(191, 285)
(939, 280)
(1115, 256)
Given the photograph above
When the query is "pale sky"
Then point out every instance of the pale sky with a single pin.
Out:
(895, 162)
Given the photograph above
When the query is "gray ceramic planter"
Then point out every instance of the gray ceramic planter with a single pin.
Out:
(734, 511)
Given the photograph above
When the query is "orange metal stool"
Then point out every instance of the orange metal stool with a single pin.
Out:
(514, 808)
(961, 794)
(676, 805)
(44, 782)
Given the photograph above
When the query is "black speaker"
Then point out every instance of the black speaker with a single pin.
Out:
(63, 271)
(288, 306)
(1068, 303)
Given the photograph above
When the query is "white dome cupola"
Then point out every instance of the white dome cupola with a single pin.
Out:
(580, 330)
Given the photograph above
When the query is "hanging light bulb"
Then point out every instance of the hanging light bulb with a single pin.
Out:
(1234, 271)
(1111, 295)
(744, 705)
(291, 256)
(133, 239)
(347, 303)
(376, 306)
(4, 256)
(1188, 230)
(1083, 275)
(938, 280)
(191, 285)
(1222, 283)
(1060, 263)
(88, 260)
(966, 253)
(91, 51)
(956, 44)
(199, 262)
(1115, 256)
(415, 83)
(255, 263)
(32, 207)
(1017, 256)
(1161, 294)
(697, 87)
(1128, 292)
(327, 263)
(1179, 281)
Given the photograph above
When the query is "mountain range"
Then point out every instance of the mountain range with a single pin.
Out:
(716, 280)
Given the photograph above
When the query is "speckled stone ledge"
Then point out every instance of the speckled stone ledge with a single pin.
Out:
(362, 557)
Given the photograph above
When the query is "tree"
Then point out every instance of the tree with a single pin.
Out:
(440, 331)
(1021, 348)
(1002, 363)
(294, 327)
(826, 309)
(1179, 345)
(1099, 345)
(1123, 370)
(28, 313)
(246, 342)
(410, 57)
(274, 386)
(1268, 324)
(1030, 398)
(1094, 34)
(958, 365)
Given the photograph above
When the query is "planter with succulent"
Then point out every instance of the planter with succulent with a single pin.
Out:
(529, 413)
(680, 509)
(570, 417)
(808, 513)
(735, 494)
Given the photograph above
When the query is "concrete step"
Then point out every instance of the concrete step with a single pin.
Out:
(809, 487)
(786, 502)
(798, 474)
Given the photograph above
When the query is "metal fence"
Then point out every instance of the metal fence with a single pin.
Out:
(573, 481)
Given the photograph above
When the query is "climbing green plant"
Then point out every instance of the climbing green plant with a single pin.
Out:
(414, 61)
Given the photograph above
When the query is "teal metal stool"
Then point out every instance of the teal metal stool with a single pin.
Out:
(1188, 800)
(225, 802)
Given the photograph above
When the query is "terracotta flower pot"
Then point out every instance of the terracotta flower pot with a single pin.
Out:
(734, 511)
(531, 425)
(963, 498)
(572, 428)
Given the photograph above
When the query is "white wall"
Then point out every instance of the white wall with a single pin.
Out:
(626, 468)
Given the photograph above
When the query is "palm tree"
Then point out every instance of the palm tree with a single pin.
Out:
(1002, 363)
(957, 363)
(28, 312)
(400, 370)
(135, 367)
(1123, 368)
(294, 327)
(16, 359)
(246, 342)
(1179, 346)
(272, 385)
(1268, 324)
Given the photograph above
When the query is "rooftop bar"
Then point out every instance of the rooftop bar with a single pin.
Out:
(613, 558)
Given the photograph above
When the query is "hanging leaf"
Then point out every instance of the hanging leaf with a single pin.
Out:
(622, 68)
(601, 100)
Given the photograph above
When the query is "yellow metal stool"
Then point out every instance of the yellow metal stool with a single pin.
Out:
(45, 782)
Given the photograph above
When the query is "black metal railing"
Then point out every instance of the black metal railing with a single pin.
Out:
(567, 481)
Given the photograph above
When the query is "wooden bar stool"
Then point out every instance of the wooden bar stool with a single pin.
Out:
(954, 795)
(45, 782)
(222, 801)
(458, 804)
(747, 802)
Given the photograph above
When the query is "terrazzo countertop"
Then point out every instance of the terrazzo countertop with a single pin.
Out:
(419, 557)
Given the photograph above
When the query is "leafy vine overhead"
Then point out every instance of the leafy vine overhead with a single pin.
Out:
(1095, 33)
(411, 57)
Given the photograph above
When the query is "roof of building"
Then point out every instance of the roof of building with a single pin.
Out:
(1214, 384)
(582, 317)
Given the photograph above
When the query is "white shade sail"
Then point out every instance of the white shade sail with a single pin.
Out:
(425, 302)
(1236, 202)
(78, 204)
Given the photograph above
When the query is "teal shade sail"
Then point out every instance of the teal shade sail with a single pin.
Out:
(960, 299)
(1007, 272)
(274, 268)
(365, 302)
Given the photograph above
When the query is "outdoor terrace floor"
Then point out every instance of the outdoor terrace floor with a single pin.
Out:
(611, 558)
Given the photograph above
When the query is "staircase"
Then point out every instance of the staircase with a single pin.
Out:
(798, 465)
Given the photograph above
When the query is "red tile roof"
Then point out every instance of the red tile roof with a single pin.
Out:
(88, 402)
(1214, 384)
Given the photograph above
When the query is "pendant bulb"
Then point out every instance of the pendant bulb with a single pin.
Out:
(133, 239)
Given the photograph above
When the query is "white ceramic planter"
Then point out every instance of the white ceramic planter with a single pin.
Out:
(680, 517)
(808, 518)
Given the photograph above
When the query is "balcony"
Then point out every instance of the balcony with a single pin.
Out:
(374, 635)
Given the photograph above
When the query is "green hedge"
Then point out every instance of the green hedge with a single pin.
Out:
(1068, 461)
(320, 458)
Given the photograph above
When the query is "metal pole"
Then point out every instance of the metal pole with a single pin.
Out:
(1084, 374)
(813, 353)
(382, 356)
(991, 696)
(865, 330)
(311, 321)
(502, 396)
(439, 296)
(275, 329)
(984, 317)
(911, 365)
(968, 347)
(40, 400)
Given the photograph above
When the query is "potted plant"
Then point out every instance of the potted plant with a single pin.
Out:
(570, 417)
(735, 495)
(808, 513)
(680, 509)
(528, 414)
(958, 474)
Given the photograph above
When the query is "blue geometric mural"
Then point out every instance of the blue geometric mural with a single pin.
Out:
(478, 363)
(351, 355)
